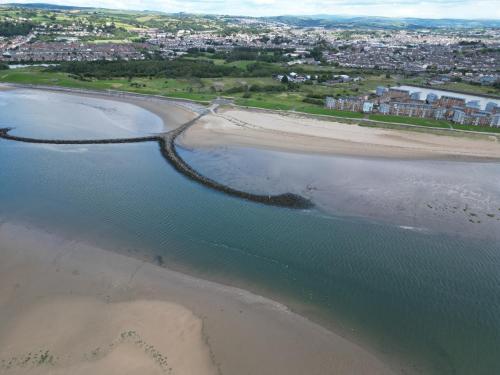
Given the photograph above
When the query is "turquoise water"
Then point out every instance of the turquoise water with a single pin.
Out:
(432, 299)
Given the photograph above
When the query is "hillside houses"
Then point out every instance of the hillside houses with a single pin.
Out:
(417, 57)
(64, 51)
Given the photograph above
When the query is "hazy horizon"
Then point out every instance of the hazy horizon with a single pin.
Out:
(441, 9)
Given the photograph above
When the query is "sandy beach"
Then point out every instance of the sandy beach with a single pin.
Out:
(67, 307)
(296, 133)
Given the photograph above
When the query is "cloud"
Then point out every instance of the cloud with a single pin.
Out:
(469, 9)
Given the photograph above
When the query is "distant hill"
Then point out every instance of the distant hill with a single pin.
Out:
(45, 6)
(324, 20)
(330, 21)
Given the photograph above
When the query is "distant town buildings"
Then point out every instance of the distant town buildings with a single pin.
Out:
(73, 51)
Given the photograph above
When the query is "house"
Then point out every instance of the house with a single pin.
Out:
(451, 101)
(367, 107)
(410, 109)
(473, 104)
(395, 93)
(381, 90)
(415, 95)
(345, 104)
(342, 78)
(487, 80)
(459, 116)
(491, 107)
(384, 108)
(495, 121)
(440, 113)
(431, 98)
(479, 119)
(330, 102)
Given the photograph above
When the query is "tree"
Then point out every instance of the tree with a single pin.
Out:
(316, 53)
(284, 79)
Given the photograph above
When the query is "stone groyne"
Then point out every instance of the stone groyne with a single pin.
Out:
(168, 150)
(4, 133)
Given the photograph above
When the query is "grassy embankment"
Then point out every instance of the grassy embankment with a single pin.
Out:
(170, 88)
(431, 123)
(411, 121)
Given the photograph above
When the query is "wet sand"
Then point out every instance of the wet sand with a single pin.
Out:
(296, 133)
(429, 196)
(172, 112)
(67, 307)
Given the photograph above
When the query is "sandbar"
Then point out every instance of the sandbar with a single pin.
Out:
(68, 307)
(235, 126)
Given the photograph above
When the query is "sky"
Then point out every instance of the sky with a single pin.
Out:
(466, 9)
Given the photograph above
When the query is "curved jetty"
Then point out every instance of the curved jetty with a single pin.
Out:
(169, 152)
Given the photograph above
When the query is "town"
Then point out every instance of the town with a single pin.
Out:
(337, 67)
(250, 187)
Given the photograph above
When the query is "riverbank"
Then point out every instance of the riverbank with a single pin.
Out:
(296, 133)
(70, 307)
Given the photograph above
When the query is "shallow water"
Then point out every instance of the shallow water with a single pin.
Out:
(49, 115)
(430, 298)
(432, 196)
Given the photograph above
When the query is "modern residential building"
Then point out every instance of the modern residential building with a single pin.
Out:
(458, 116)
(449, 108)
(411, 109)
(384, 108)
(330, 102)
(451, 101)
(415, 95)
(440, 113)
(345, 104)
(495, 120)
(491, 107)
(431, 98)
(399, 94)
(367, 107)
(381, 90)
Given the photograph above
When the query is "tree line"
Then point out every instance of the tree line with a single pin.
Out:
(9, 29)
(182, 68)
(269, 55)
